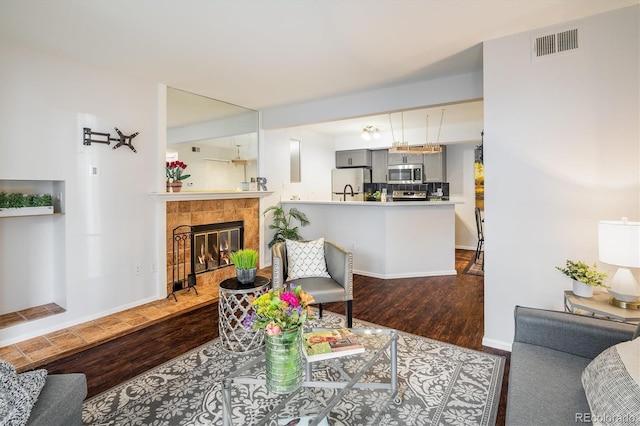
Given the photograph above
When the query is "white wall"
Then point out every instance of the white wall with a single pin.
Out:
(45, 102)
(459, 88)
(561, 153)
(317, 158)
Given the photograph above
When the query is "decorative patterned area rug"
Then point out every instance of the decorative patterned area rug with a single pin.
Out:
(475, 268)
(440, 384)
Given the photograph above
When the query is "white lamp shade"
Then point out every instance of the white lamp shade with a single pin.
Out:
(619, 243)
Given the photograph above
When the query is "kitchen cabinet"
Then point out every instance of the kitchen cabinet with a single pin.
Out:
(379, 165)
(353, 158)
(395, 158)
(435, 167)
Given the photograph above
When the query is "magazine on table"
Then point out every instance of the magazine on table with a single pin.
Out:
(326, 344)
(301, 421)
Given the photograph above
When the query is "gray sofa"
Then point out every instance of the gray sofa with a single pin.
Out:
(549, 353)
(60, 401)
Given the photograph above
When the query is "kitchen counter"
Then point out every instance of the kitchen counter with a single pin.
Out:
(379, 203)
(399, 239)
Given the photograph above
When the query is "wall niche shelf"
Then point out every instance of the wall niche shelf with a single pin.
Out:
(55, 188)
(33, 247)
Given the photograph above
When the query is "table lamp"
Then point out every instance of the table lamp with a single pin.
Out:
(619, 245)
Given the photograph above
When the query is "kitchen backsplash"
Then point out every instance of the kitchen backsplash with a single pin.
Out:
(431, 188)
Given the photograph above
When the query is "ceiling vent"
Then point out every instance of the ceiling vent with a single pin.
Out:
(555, 43)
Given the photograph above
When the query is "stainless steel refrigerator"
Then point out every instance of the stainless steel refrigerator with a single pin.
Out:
(342, 178)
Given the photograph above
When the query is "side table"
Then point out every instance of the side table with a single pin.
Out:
(234, 305)
(599, 305)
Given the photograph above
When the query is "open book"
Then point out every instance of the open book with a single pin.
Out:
(325, 344)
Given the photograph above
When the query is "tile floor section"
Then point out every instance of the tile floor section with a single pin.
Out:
(33, 353)
(37, 312)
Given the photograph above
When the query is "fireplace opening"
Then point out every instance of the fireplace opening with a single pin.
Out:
(212, 243)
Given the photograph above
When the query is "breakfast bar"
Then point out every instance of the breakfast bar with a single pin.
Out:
(388, 240)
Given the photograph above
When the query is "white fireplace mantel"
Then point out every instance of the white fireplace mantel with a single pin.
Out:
(208, 195)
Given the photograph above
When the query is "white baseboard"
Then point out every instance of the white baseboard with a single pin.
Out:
(410, 275)
(497, 344)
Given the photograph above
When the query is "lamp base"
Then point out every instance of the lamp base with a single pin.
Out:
(624, 305)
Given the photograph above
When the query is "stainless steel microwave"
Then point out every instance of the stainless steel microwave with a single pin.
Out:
(405, 173)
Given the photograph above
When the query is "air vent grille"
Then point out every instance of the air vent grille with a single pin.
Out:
(546, 45)
(568, 40)
(559, 42)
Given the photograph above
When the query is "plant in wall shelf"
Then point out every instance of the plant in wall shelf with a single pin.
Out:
(18, 204)
(174, 174)
(584, 277)
(246, 262)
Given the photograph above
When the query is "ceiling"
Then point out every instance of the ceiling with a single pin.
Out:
(265, 53)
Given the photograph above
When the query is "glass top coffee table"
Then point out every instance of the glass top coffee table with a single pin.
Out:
(326, 385)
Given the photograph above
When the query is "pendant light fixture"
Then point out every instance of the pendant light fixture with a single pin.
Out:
(426, 148)
(431, 147)
(240, 161)
(398, 146)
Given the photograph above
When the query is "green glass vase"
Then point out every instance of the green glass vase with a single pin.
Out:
(284, 361)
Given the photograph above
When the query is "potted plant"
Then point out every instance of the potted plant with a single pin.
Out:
(282, 223)
(246, 262)
(174, 174)
(18, 204)
(584, 277)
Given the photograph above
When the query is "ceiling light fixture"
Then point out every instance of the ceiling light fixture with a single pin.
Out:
(370, 132)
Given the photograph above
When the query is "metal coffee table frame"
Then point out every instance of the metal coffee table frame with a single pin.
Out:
(349, 382)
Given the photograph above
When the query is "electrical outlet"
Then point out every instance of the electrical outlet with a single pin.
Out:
(137, 269)
(154, 267)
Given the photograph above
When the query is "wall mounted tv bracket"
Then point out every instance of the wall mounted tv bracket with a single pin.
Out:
(123, 140)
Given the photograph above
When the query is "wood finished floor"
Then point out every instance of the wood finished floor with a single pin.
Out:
(448, 308)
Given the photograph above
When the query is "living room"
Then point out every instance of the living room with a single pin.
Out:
(561, 153)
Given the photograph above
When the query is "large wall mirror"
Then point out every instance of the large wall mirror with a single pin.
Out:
(218, 141)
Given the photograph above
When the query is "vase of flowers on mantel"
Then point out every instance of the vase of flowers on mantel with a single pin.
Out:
(174, 174)
(584, 277)
(281, 313)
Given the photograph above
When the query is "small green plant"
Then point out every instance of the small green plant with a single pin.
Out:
(584, 273)
(282, 223)
(16, 200)
(245, 258)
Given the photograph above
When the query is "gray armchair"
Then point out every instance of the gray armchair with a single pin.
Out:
(338, 288)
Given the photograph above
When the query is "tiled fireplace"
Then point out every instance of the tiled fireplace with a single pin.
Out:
(203, 213)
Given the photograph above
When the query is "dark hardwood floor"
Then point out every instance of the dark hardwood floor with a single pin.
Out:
(449, 309)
